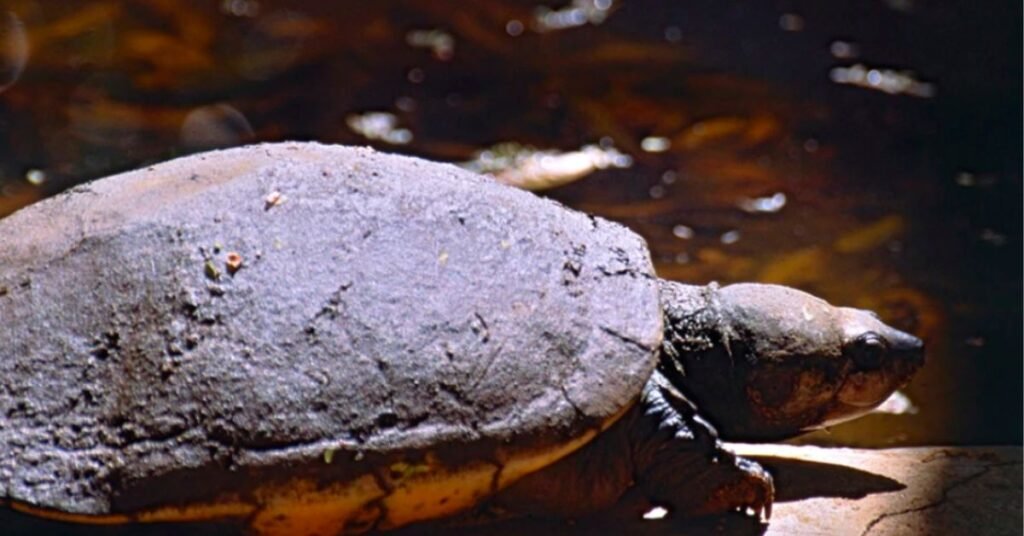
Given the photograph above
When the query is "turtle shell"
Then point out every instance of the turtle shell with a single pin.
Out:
(307, 336)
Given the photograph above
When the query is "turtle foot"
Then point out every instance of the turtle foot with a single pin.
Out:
(727, 484)
(750, 491)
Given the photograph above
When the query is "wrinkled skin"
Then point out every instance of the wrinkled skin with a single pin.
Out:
(767, 362)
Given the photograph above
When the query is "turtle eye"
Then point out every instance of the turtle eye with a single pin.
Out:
(868, 350)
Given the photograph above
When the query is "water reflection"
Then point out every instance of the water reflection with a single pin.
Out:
(13, 49)
(215, 126)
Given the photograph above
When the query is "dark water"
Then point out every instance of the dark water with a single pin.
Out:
(909, 204)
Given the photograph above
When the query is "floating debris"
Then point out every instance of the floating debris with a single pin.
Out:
(577, 13)
(382, 126)
(534, 169)
(440, 42)
(897, 404)
(871, 235)
(655, 144)
(884, 80)
(763, 205)
(35, 177)
(749, 131)
(655, 513)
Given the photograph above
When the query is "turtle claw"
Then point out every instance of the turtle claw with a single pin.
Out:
(762, 508)
(756, 487)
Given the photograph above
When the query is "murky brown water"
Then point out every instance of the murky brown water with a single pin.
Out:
(772, 170)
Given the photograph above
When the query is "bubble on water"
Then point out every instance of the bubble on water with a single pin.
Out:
(213, 126)
(240, 8)
(673, 34)
(416, 75)
(14, 49)
(730, 237)
(843, 49)
(514, 28)
(683, 232)
(655, 144)
(35, 177)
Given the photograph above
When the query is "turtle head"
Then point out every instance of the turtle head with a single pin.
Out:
(767, 361)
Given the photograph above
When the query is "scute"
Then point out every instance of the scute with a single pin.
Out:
(387, 308)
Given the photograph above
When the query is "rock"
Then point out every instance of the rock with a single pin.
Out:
(928, 490)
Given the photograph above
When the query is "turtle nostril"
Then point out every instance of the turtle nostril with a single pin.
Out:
(907, 347)
(916, 354)
(905, 342)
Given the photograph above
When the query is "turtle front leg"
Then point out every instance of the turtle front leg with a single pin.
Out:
(679, 462)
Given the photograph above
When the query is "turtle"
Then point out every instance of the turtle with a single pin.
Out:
(317, 339)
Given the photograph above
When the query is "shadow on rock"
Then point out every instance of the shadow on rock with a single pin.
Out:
(18, 524)
(733, 524)
(800, 479)
(14, 523)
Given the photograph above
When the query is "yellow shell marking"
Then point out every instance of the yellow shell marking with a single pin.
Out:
(409, 492)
